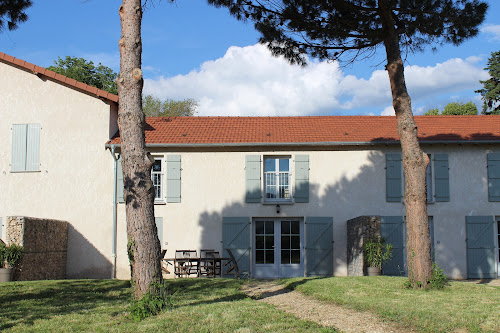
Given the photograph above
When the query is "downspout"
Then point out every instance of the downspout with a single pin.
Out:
(113, 254)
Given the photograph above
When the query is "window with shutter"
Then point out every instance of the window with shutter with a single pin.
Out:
(25, 147)
(493, 177)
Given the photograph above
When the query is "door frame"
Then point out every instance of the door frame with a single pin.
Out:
(279, 269)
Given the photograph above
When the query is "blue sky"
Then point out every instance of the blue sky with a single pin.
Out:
(192, 50)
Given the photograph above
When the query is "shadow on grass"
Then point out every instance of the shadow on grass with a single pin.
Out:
(293, 283)
(26, 302)
(192, 292)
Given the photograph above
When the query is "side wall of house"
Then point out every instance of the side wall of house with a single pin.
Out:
(344, 184)
(74, 180)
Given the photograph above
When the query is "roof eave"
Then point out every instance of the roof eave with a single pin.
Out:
(304, 144)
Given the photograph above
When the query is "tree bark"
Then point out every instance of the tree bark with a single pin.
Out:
(136, 161)
(418, 244)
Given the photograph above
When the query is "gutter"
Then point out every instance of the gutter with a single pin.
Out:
(307, 144)
(115, 180)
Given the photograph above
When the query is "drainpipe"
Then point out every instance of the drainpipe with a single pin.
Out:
(113, 255)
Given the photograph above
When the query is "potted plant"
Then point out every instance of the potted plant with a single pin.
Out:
(10, 258)
(376, 253)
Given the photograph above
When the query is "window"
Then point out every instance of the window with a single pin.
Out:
(437, 178)
(277, 179)
(157, 177)
(493, 166)
(429, 174)
(25, 147)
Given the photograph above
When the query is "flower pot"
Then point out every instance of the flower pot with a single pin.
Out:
(373, 271)
(6, 274)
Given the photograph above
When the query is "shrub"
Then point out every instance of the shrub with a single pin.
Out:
(377, 252)
(151, 304)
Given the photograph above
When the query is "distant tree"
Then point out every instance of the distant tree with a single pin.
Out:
(336, 29)
(491, 87)
(432, 112)
(455, 109)
(154, 107)
(12, 13)
(85, 71)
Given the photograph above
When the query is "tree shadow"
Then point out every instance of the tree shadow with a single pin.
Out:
(350, 190)
(27, 302)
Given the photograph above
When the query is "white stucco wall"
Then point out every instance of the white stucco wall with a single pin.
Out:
(75, 180)
(343, 184)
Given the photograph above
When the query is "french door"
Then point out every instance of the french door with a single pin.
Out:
(278, 248)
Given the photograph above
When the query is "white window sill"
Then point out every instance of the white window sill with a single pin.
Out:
(25, 171)
(160, 203)
(287, 202)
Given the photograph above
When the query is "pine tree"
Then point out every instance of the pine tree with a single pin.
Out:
(491, 87)
(350, 29)
(12, 12)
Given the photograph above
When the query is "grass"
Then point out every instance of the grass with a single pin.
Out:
(461, 307)
(198, 305)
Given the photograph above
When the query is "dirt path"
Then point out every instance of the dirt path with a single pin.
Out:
(325, 314)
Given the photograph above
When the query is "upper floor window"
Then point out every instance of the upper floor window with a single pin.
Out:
(25, 147)
(277, 179)
(429, 174)
(158, 179)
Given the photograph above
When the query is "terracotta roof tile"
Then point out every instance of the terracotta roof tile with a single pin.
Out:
(321, 129)
(57, 77)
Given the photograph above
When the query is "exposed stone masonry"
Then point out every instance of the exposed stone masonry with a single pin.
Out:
(45, 245)
(358, 229)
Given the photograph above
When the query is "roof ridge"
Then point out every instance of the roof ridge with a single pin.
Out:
(99, 93)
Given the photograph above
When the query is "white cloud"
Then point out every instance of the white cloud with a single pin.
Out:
(248, 81)
(493, 30)
(388, 111)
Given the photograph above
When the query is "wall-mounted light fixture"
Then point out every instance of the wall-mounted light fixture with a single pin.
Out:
(278, 209)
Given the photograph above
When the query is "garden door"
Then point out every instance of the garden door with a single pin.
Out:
(278, 249)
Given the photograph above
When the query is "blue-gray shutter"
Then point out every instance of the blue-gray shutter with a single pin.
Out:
(19, 139)
(236, 237)
(173, 178)
(301, 193)
(481, 256)
(33, 148)
(430, 220)
(119, 181)
(319, 246)
(494, 177)
(393, 186)
(252, 178)
(159, 227)
(442, 178)
(392, 229)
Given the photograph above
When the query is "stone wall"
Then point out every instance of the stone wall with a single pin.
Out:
(358, 229)
(45, 245)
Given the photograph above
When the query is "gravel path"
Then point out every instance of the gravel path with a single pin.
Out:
(325, 314)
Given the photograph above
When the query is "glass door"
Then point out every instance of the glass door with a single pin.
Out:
(278, 248)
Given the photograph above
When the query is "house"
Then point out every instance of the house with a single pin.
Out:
(276, 190)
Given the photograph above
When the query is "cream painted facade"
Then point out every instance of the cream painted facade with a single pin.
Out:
(75, 183)
(344, 184)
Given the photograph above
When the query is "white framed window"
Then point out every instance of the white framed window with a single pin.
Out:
(277, 178)
(158, 177)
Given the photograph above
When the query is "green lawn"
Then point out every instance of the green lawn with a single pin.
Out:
(461, 307)
(198, 305)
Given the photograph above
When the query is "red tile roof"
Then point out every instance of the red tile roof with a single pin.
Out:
(308, 130)
(58, 77)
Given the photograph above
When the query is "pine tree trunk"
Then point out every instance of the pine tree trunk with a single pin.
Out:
(418, 244)
(136, 161)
